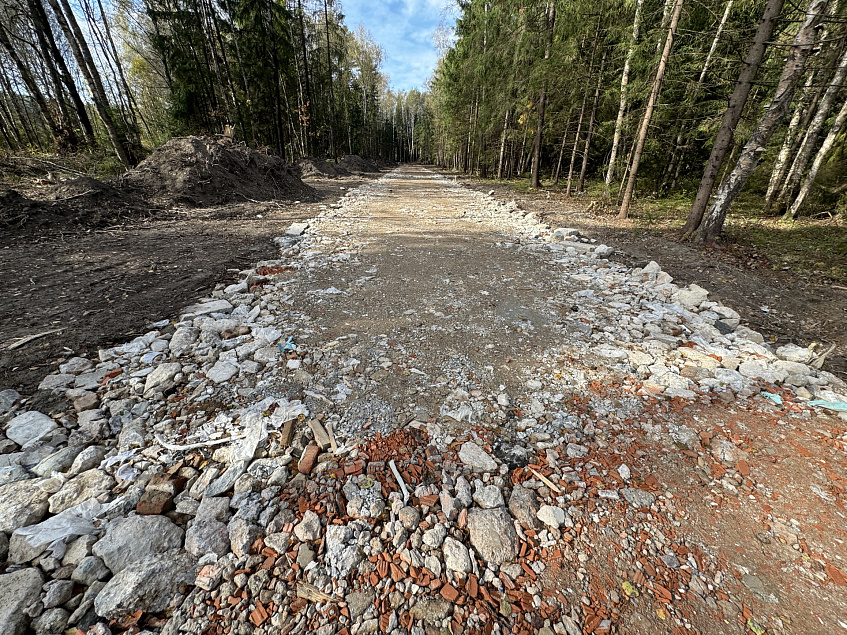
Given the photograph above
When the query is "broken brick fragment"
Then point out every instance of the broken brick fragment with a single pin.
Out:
(309, 458)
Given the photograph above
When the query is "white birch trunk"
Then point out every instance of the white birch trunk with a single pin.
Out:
(610, 173)
(831, 137)
(801, 160)
(648, 114)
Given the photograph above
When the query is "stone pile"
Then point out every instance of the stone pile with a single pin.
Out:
(239, 471)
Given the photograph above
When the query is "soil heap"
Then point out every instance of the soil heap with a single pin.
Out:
(356, 164)
(309, 167)
(72, 205)
(213, 170)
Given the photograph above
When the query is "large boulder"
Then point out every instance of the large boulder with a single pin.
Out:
(128, 540)
(21, 504)
(474, 456)
(162, 377)
(493, 535)
(29, 428)
(207, 535)
(80, 488)
(18, 590)
(148, 584)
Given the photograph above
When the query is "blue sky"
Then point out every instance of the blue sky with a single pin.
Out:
(403, 28)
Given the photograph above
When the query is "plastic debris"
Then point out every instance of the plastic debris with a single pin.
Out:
(399, 478)
(118, 458)
(193, 446)
(838, 406)
(52, 533)
(775, 399)
(255, 432)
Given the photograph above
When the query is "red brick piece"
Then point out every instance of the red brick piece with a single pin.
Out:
(310, 457)
(449, 593)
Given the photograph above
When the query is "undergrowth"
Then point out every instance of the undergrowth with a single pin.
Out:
(813, 247)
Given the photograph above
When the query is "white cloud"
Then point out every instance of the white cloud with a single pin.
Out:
(404, 29)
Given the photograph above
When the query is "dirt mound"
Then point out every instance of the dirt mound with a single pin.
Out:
(70, 206)
(204, 171)
(385, 164)
(356, 164)
(309, 167)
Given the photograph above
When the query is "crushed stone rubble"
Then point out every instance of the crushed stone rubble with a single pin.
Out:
(241, 470)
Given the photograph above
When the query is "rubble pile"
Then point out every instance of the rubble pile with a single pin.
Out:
(244, 470)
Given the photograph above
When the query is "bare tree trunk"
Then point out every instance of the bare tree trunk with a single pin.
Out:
(73, 34)
(307, 74)
(576, 142)
(683, 142)
(648, 114)
(6, 84)
(831, 137)
(666, 10)
(581, 186)
(799, 52)
(32, 87)
(247, 93)
(801, 159)
(41, 27)
(582, 109)
(610, 173)
(562, 149)
(723, 140)
(503, 145)
(9, 115)
(522, 162)
(331, 89)
(535, 178)
(542, 101)
(67, 80)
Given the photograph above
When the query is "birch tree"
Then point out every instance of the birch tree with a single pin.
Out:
(732, 115)
(801, 48)
(820, 157)
(610, 173)
(648, 113)
(810, 139)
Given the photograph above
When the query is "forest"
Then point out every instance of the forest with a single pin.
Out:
(651, 98)
(621, 100)
(127, 75)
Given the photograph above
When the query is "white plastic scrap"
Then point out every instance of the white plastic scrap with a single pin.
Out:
(286, 411)
(52, 533)
(400, 482)
(118, 458)
(255, 431)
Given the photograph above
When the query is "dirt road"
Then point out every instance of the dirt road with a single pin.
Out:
(473, 308)
(588, 447)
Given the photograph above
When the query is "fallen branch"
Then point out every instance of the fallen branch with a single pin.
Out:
(193, 446)
(819, 359)
(54, 165)
(30, 338)
(546, 481)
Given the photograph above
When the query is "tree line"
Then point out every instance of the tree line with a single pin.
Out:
(288, 76)
(654, 96)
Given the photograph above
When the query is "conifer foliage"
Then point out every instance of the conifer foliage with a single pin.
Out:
(288, 76)
(650, 98)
